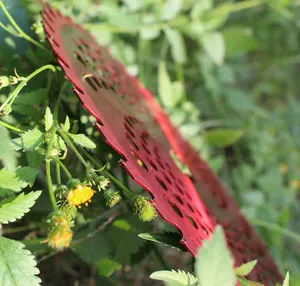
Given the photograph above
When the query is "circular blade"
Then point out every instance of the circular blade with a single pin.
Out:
(135, 126)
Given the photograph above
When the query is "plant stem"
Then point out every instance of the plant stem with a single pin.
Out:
(62, 165)
(123, 188)
(16, 91)
(49, 149)
(72, 146)
(57, 168)
(20, 32)
(180, 77)
(15, 129)
(159, 258)
(245, 5)
(275, 227)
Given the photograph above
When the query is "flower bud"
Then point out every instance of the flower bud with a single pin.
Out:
(112, 198)
(143, 208)
(4, 81)
(102, 182)
(60, 233)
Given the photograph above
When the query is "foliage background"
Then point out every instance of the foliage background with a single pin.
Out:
(227, 74)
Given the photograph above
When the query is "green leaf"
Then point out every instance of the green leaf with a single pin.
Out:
(239, 100)
(91, 249)
(31, 98)
(167, 238)
(177, 44)
(223, 137)
(9, 180)
(7, 153)
(123, 233)
(239, 39)
(83, 141)
(117, 17)
(213, 44)
(286, 281)
(12, 209)
(170, 9)
(173, 278)
(48, 119)
(34, 159)
(245, 268)
(148, 30)
(29, 140)
(178, 92)
(27, 174)
(200, 8)
(165, 87)
(107, 267)
(134, 5)
(17, 265)
(66, 126)
(214, 265)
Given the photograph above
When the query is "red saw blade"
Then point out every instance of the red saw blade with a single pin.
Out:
(136, 127)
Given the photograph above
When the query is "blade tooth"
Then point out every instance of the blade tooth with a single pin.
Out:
(47, 25)
(62, 62)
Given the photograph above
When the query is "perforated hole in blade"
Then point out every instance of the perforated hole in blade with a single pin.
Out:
(167, 179)
(129, 130)
(190, 207)
(193, 223)
(176, 209)
(91, 83)
(162, 184)
(79, 58)
(179, 199)
(131, 142)
(139, 160)
(152, 164)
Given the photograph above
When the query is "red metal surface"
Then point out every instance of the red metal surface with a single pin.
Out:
(135, 126)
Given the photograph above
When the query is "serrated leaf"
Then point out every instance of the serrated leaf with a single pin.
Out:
(245, 268)
(177, 44)
(48, 119)
(165, 86)
(7, 153)
(29, 140)
(173, 278)
(27, 174)
(123, 233)
(12, 209)
(66, 126)
(91, 249)
(223, 137)
(83, 141)
(214, 46)
(214, 265)
(60, 143)
(107, 267)
(31, 98)
(34, 159)
(9, 180)
(286, 281)
(17, 265)
(167, 238)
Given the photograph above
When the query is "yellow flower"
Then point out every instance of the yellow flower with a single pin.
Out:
(60, 233)
(80, 195)
(295, 184)
(283, 168)
(60, 237)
